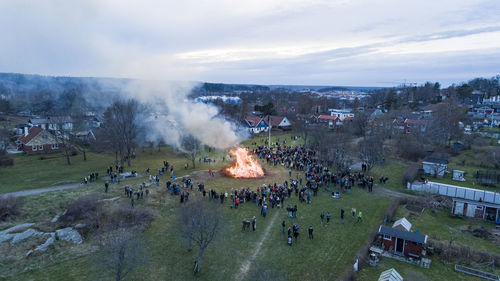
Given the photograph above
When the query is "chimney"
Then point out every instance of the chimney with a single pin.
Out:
(25, 131)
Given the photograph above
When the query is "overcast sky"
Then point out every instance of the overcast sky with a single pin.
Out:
(337, 42)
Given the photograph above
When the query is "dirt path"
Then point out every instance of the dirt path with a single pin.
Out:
(391, 193)
(41, 190)
(245, 267)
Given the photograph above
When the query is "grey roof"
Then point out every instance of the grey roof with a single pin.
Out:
(436, 160)
(37, 121)
(406, 235)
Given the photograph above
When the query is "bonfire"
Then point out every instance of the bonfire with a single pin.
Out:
(245, 166)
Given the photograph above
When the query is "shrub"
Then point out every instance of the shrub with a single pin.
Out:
(410, 174)
(84, 208)
(10, 208)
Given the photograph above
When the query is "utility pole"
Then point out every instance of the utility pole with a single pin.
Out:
(269, 124)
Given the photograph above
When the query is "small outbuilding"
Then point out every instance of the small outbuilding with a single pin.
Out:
(435, 166)
(403, 243)
(390, 275)
(476, 209)
(402, 224)
(458, 175)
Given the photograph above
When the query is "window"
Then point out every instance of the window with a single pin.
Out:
(387, 237)
(40, 147)
(55, 146)
(33, 148)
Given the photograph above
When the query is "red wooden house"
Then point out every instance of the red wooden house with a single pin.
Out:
(37, 140)
(401, 242)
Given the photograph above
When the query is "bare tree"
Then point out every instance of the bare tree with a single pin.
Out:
(371, 151)
(121, 251)
(199, 223)
(191, 146)
(444, 125)
(122, 127)
(334, 148)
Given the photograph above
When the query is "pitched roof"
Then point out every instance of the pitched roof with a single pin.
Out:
(416, 121)
(406, 235)
(327, 117)
(38, 121)
(403, 222)
(390, 275)
(32, 132)
(436, 160)
(252, 121)
(274, 120)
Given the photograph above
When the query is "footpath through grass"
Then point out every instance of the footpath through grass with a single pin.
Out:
(326, 257)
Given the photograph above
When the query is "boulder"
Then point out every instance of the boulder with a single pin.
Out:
(5, 237)
(17, 228)
(18, 237)
(69, 234)
(47, 243)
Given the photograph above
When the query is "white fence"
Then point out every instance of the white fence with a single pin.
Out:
(456, 191)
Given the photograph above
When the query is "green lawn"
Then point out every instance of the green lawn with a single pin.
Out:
(326, 257)
(471, 167)
(441, 226)
(392, 169)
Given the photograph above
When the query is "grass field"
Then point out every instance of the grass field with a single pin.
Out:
(325, 258)
(441, 226)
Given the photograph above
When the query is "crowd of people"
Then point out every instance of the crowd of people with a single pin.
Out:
(306, 176)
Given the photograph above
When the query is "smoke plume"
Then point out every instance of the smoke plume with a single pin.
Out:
(172, 115)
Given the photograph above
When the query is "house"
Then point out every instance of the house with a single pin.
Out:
(329, 120)
(85, 136)
(39, 122)
(37, 140)
(60, 123)
(278, 122)
(402, 242)
(476, 209)
(256, 125)
(435, 166)
(415, 126)
(390, 275)
(341, 113)
(52, 123)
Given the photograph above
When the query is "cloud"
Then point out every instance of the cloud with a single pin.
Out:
(260, 41)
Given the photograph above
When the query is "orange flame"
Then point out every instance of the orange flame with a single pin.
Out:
(245, 166)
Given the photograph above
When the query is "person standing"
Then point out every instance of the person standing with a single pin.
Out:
(311, 232)
(106, 186)
(322, 216)
(353, 211)
(328, 216)
(360, 218)
(341, 216)
(254, 223)
(283, 224)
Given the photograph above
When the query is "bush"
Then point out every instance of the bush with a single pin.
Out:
(84, 208)
(410, 174)
(10, 208)
(410, 148)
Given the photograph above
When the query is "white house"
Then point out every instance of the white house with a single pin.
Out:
(256, 125)
(278, 122)
(341, 113)
(435, 166)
